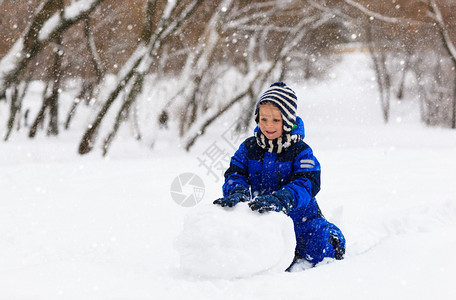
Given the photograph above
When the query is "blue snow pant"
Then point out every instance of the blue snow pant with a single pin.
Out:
(317, 238)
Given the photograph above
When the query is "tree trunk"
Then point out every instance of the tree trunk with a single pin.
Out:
(53, 127)
(14, 109)
(381, 74)
(124, 111)
(89, 85)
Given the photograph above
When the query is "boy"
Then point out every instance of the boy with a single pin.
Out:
(276, 171)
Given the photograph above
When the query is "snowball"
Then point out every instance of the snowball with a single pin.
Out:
(234, 242)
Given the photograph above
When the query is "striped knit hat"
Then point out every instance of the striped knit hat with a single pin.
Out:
(286, 101)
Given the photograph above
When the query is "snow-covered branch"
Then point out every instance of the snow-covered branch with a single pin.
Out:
(76, 12)
(172, 26)
(329, 10)
(371, 13)
(251, 17)
(436, 14)
(71, 12)
(378, 16)
(46, 26)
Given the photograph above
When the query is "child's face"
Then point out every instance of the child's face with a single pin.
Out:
(270, 121)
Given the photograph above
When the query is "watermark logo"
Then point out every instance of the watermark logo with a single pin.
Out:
(216, 158)
(187, 189)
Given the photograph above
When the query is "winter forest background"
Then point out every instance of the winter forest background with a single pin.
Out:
(111, 61)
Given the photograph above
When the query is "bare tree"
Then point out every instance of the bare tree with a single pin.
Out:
(436, 14)
(50, 103)
(90, 85)
(382, 74)
(42, 31)
(131, 77)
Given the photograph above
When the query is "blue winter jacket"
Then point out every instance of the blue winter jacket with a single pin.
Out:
(295, 169)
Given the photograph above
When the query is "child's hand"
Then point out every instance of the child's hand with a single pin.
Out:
(266, 203)
(281, 200)
(232, 200)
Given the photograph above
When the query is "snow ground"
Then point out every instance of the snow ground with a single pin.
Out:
(91, 228)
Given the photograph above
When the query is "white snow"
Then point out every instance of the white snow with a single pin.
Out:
(85, 227)
(49, 27)
(77, 7)
(229, 243)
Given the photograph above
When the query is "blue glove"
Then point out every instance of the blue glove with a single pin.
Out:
(278, 201)
(237, 195)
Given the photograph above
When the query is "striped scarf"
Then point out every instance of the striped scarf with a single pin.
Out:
(276, 145)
